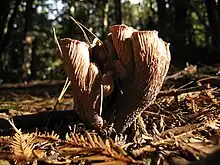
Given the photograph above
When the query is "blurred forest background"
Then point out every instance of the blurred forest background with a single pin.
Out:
(28, 50)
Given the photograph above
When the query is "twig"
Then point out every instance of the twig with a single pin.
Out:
(140, 151)
(176, 92)
(101, 100)
(204, 112)
(13, 125)
(190, 70)
(179, 130)
(205, 78)
(86, 37)
(148, 113)
(180, 136)
(65, 87)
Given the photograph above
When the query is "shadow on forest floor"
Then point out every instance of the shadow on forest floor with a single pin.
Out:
(58, 121)
(31, 106)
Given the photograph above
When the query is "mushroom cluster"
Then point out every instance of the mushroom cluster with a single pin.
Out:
(123, 75)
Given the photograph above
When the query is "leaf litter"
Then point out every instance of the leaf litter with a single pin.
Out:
(182, 127)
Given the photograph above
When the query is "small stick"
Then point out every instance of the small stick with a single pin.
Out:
(176, 92)
(56, 40)
(65, 87)
(67, 82)
(101, 99)
(79, 24)
(11, 122)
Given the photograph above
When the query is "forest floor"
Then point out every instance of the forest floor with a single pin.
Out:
(182, 127)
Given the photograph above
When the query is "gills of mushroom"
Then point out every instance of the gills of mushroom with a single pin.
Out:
(146, 61)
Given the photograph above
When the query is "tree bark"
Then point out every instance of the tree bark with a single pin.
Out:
(219, 9)
(118, 12)
(163, 17)
(105, 18)
(27, 50)
(34, 60)
(4, 11)
(214, 23)
(6, 38)
(180, 22)
(71, 25)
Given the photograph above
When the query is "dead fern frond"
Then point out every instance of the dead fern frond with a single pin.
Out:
(39, 153)
(91, 144)
(22, 145)
(214, 124)
(54, 161)
(48, 136)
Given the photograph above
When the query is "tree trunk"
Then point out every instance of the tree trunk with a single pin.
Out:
(105, 18)
(27, 50)
(34, 60)
(118, 11)
(71, 25)
(6, 38)
(180, 22)
(219, 9)
(163, 17)
(214, 23)
(4, 11)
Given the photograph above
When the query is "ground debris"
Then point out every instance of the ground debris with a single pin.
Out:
(181, 127)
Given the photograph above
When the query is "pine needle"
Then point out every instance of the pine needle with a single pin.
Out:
(67, 82)
(11, 122)
(65, 87)
(81, 25)
(84, 33)
(56, 40)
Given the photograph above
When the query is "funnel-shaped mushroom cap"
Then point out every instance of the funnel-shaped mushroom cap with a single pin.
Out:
(133, 65)
(121, 35)
(85, 77)
(151, 59)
